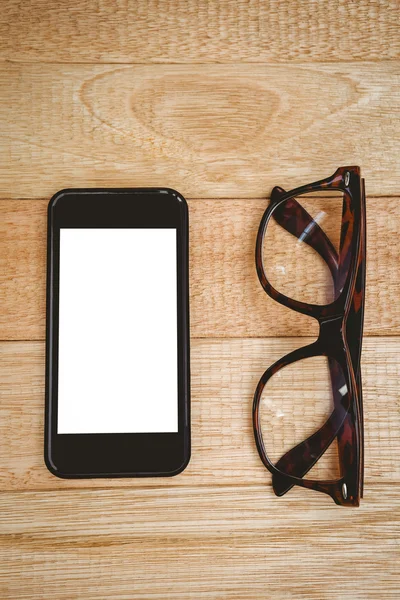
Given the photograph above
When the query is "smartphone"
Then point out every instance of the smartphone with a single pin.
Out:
(117, 334)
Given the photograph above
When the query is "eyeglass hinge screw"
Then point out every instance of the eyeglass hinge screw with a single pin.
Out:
(347, 179)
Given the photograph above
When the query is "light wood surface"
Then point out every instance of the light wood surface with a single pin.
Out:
(226, 297)
(230, 131)
(196, 31)
(211, 542)
(222, 101)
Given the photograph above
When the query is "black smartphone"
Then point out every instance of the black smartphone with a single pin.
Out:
(117, 335)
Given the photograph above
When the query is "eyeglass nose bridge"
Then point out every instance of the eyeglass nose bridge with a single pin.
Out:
(330, 331)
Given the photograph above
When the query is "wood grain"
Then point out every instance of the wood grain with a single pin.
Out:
(224, 376)
(179, 31)
(214, 131)
(226, 297)
(189, 543)
(320, 89)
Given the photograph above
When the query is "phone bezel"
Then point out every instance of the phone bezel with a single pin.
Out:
(116, 454)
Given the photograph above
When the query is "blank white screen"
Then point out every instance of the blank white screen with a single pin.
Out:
(117, 331)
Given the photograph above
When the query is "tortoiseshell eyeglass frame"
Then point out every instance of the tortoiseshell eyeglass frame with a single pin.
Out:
(340, 337)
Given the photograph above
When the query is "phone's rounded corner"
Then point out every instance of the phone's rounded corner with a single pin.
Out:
(182, 466)
(54, 470)
(56, 197)
(177, 195)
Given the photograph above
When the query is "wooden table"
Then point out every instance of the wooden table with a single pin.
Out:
(222, 101)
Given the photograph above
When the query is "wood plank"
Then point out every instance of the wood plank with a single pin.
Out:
(199, 31)
(191, 542)
(216, 131)
(224, 376)
(226, 297)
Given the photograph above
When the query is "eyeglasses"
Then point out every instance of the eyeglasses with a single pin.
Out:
(310, 257)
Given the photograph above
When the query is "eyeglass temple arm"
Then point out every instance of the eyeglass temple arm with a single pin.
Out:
(299, 460)
(295, 219)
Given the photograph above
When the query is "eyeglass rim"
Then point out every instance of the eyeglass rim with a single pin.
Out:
(331, 487)
(335, 182)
